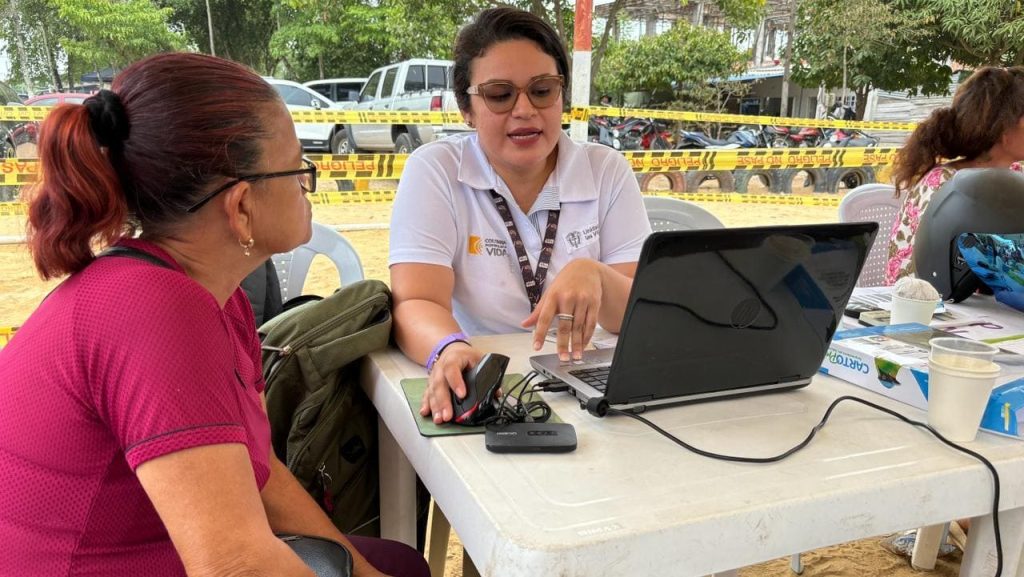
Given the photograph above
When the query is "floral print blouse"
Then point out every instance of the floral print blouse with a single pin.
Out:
(901, 237)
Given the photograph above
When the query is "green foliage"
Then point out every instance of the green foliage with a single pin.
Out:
(676, 64)
(352, 37)
(241, 28)
(885, 47)
(972, 32)
(23, 26)
(743, 14)
(115, 33)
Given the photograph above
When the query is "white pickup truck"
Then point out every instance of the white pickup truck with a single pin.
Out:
(418, 85)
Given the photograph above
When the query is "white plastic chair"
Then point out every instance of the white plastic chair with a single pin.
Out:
(674, 214)
(292, 267)
(873, 202)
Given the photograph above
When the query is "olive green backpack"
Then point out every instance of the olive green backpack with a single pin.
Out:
(323, 426)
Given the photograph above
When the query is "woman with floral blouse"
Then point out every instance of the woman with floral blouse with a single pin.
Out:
(983, 128)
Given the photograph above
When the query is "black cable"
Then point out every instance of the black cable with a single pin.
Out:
(506, 413)
(818, 427)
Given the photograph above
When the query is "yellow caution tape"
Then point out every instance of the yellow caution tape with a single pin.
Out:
(18, 171)
(390, 166)
(352, 197)
(387, 196)
(359, 166)
(24, 113)
(585, 113)
(740, 198)
(6, 333)
(759, 159)
(28, 113)
(375, 117)
(13, 209)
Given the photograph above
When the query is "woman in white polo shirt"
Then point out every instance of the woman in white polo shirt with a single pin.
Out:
(470, 209)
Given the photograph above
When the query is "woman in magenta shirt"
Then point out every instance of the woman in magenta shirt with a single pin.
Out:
(133, 434)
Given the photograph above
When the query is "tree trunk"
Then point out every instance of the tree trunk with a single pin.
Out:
(559, 24)
(613, 13)
(862, 101)
(71, 77)
(19, 41)
(209, 25)
(844, 77)
(50, 59)
(787, 66)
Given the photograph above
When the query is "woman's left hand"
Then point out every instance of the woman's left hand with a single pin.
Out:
(572, 301)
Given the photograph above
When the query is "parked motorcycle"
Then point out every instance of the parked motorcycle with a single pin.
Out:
(744, 137)
(641, 134)
(791, 136)
(849, 137)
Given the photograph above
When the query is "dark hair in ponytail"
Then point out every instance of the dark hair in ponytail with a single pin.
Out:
(139, 155)
(988, 104)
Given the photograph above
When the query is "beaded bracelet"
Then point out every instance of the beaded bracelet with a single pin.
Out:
(458, 337)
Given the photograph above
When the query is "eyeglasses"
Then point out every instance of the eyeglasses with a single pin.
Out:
(307, 182)
(501, 96)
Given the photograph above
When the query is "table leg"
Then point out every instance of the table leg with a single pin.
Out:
(440, 530)
(926, 547)
(468, 568)
(397, 490)
(980, 556)
(795, 564)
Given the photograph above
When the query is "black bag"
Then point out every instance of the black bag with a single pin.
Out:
(323, 426)
(264, 292)
(325, 557)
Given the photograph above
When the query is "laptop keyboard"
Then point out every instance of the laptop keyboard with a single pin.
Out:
(596, 377)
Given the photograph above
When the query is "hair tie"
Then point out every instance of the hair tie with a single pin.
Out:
(107, 117)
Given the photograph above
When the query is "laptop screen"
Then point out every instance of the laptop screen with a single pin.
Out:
(714, 310)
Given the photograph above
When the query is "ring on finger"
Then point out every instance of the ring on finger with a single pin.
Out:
(565, 317)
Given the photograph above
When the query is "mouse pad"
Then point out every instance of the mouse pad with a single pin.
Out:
(413, 389)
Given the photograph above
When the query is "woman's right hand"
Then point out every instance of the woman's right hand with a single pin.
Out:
(445, 377)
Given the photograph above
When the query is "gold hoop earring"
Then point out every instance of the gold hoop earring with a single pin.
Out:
(247, 246)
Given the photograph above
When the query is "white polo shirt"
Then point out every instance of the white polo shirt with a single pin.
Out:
(444, 215)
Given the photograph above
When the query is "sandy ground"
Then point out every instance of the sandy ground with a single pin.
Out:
(21, 291)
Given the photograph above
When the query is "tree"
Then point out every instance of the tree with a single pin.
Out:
(866, 44)
(972, 32)
(323, 38)
(27, 29)
(241, 28)
(741, 14)
(676, 65)
(114, 34)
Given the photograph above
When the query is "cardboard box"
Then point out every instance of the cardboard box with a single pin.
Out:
(893, 361)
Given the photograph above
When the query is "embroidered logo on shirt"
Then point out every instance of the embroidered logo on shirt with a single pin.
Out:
(576, 239)
(487, 246)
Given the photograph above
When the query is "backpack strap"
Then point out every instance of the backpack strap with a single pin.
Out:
(130, 252)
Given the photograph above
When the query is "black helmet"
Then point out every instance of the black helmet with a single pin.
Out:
(984, 200)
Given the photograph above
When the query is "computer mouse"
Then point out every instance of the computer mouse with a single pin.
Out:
(482, 384)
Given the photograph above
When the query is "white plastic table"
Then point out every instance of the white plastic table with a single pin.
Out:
(629, 502)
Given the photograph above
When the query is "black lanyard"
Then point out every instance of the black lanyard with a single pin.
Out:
(534, 283)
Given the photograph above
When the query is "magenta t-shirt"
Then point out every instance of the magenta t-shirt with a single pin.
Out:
(125, 362)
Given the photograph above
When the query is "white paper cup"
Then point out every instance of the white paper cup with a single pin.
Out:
(961, 376)
(906, 310)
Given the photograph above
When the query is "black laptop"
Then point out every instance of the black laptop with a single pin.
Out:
(724, 312)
